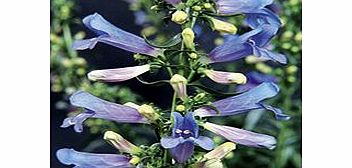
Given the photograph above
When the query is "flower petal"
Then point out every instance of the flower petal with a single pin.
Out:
(242, 103)
(254, 79)
(240, 6)
(241, 136)
(118, 74)
(170, 142)
(92, 160)
(110, 34)
(269, 55)
(182, 152)
(98, 108)
(204, 142)
(190, 124)
(226, 77)
(264, 16)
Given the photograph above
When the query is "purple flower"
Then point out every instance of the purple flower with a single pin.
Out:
(109, 34)
(118, 74)
(254, 79)
(184, 136)
(232, 7)
(250, 43)
(241, 136)
(244, 102)
(92, 160)
(98, 108)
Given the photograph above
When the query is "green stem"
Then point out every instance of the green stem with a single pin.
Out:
(173, 106)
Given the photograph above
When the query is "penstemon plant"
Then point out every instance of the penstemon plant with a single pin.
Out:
(181, 128)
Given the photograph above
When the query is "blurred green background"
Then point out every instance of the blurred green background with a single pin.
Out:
(69, 69)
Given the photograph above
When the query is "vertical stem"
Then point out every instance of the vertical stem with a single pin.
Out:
(173, 102)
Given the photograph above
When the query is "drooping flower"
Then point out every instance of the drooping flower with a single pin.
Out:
(250, 43)
(225, 77)
(118, 74)
(92, 160)
(121, 143)
(184, 136)
(98, 108)
(231, 7)
(109, 34)
(179, 84)
(244, 102)
(254, 79)
(241, 136)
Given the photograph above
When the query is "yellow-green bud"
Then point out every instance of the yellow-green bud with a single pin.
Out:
(292, 69)
(179, 84)
(197, 8)
(120, 143)
(252, 59)
(220, 151)
(207, 5)
(154, 7)
(188, 37)
(263, 67)
(223, 27)
(193, 55)
(180, 108)
(148, 112)
(135, 160)
(179, 17)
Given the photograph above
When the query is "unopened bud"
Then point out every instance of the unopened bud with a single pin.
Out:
(180, 108)
(120, 143)
(193, 55)
(226, 77)
(179, 84)
(220, 151)
(188, 37)
(207, 5)
(135, 160)
(148, 112)
(197, 8)
(223, 27)
(179, 17)
(133, 105)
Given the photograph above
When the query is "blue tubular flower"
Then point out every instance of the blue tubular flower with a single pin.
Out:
(98, 108)
(244, 102)
(109, 34)
(264, 16)
(253, 42)
(232, 7)
(254, 79)
(241, 136)
(92, 160)
(184, 136)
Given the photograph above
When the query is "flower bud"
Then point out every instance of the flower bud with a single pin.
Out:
(223, 27)
(197, 8)
(135, 160)
(179, 84)
(120, 143)
(207, 5)
(179, 17)
(148, 112)
(220, 151)
(180, 108)
(213, 163)
(225, 77)
(193, 55)
(188, 37)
